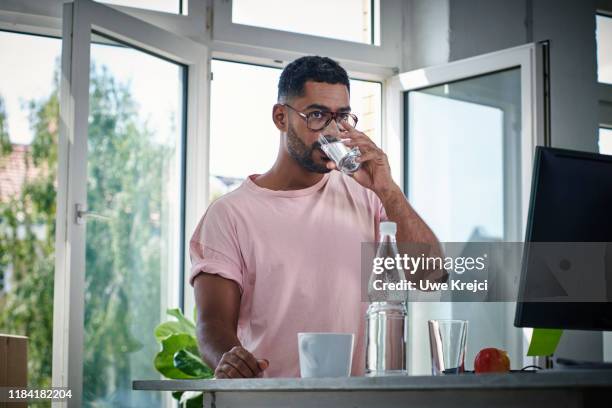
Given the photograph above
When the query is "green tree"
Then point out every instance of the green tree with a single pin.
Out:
(126, 178)
(126, 181)
(27, 228)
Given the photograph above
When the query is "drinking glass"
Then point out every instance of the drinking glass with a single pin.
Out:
(344, 157)
(447, 341)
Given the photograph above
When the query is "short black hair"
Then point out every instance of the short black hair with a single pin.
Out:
(310, 68)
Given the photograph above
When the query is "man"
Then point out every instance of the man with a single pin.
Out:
(281, 254)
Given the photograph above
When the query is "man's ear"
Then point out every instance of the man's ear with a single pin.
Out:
(279, 116)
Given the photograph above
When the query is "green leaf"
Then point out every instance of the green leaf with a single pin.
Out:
(191, 364)
(177, 395)
(166, 329)
(187, 326)
(164, 360)
(197, 402)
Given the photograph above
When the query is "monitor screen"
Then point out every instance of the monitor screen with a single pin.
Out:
(571, 202)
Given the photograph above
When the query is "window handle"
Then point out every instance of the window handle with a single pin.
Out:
(81, 214)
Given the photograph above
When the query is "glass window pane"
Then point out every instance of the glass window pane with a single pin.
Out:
(461, 138)
(459, 158)
(249, 92)
(605, 141)
(349, 20)
(604, 49)
(29, 123)
(366, 103)
(463, 178)
(135, 156)
(169, 6)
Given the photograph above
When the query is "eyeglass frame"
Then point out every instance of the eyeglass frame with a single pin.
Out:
(334, 116)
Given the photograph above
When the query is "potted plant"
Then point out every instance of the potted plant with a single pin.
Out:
(179, 358)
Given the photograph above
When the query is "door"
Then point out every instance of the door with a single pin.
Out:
(133, 108)
(463, 153)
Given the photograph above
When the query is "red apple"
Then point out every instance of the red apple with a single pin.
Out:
(492, 360)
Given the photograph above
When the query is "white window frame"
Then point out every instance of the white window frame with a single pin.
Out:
(364, 61)
(604, 89)
(530, 58)
(68, 311)
(45, 17)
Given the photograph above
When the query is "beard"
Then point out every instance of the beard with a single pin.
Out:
(303, 154)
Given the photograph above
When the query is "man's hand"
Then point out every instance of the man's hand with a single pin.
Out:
(375, 172)
(239, 363)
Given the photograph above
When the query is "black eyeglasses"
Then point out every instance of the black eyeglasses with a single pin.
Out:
(318, 120)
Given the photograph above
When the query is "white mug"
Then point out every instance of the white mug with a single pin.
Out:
(325, 354)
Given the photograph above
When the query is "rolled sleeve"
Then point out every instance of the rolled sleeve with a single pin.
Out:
(214, 247)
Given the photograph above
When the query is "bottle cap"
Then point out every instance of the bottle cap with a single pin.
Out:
(388, 228)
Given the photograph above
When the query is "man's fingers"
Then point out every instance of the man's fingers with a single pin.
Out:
(370, 155)
(263, 364)
(241, 366)
(356, 141)
(346, 126)
(353, 133)
(239, 363)
(364, 145)
(219, 373)
(229, 370)
(248, 359)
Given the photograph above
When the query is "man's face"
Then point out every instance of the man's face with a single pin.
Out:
(302, 142)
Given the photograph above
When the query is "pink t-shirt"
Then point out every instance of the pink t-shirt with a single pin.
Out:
(296, 257)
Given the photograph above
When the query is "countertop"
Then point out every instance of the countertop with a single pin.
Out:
(516, 380)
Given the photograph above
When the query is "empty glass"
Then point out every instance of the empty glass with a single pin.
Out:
(447, 341)
(344, 157)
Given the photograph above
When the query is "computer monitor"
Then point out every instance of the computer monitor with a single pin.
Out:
(571, 201)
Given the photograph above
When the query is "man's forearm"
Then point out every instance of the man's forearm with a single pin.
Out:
(214, 339)
(410, 227)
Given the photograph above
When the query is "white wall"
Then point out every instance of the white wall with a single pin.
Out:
(425, 22)
(570, 27)
(482, 26)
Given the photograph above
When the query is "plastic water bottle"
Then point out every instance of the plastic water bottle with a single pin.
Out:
(387, 316)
